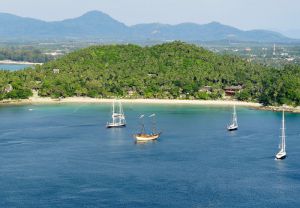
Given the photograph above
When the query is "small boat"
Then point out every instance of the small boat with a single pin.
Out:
(282, 153)
(118, 117)
(234, 124)
(143, 136)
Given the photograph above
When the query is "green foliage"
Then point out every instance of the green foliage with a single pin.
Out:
(30, 55)
(19, 94)
(244, 95)
(202, 96)
(171, 70)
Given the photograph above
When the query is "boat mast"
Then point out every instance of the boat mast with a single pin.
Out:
(234, 117)
(283, 133)
(120, 113)
(142, 124)
(113, 113)
(154, 129)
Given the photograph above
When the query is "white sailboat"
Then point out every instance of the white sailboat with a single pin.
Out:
(118, 117)
(282, 153)
(143, 136)
(234, 124)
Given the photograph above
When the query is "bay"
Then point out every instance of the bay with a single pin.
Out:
(13, 67)
(63, 156)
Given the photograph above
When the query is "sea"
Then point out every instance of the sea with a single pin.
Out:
(13, 67)
(63, 156)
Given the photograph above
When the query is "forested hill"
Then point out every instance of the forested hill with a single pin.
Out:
(172, 70)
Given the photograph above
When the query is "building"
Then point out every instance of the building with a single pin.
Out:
(232, 90)
(207, 89)
(56, 71)
(8, 88)
(131, 92)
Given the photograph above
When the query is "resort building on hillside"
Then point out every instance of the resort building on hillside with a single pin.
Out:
(56, 71)
(131, 92)
(232, 90)
(8, 88)
(207, 89)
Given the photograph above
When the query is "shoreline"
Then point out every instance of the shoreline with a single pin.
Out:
(87, 100)
(47, 100)
(8, 62)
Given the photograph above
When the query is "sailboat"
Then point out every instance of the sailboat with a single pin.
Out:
(234, 124)
(118, 117)
(143, 136)
(282, 153)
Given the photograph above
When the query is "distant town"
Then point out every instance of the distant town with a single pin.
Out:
(275, 54)
(269, 54)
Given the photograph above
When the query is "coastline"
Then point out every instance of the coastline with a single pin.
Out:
(87, 100)
(19, 62)
(47, 100)
(289, 109)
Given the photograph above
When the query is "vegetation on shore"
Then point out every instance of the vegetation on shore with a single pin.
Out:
(172, 70)
(28, 55)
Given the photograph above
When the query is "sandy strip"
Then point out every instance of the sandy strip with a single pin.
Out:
(86, 100)
(39, 100)
(19, 62)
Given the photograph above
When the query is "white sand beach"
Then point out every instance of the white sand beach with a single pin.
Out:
(46, 100)
(19, 62)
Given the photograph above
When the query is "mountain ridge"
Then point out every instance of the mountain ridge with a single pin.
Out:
(96, 25)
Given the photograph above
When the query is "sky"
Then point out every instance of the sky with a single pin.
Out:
(278, 15)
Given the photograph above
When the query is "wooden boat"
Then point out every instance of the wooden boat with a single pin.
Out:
(234, 124)
(146, 137)
(282, 153)
(142, 136)
(118, 117)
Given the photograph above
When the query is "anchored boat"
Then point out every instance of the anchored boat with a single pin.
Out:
(118, 117)
(142, 136)
(234, 124)
(282, 153)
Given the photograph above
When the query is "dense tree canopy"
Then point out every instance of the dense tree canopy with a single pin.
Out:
(171, 70)
(18, 54)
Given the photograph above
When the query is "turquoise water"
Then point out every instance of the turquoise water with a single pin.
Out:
(63, 156)
(13, 67)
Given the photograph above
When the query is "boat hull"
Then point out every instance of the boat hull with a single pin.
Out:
(235, 129)
(146, 137)
(109, 126)
(281, 156)
(232, 128)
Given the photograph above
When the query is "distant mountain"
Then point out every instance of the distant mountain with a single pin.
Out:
(209, 32)
(293, 33)
(96, 25)
(15, 27)
(91, 25)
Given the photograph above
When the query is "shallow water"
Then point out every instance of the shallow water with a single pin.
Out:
(13, 67)
(63, 156)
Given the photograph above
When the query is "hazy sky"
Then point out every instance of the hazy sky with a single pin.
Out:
(245, 14)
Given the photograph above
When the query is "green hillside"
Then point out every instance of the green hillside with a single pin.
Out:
(172, 70)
